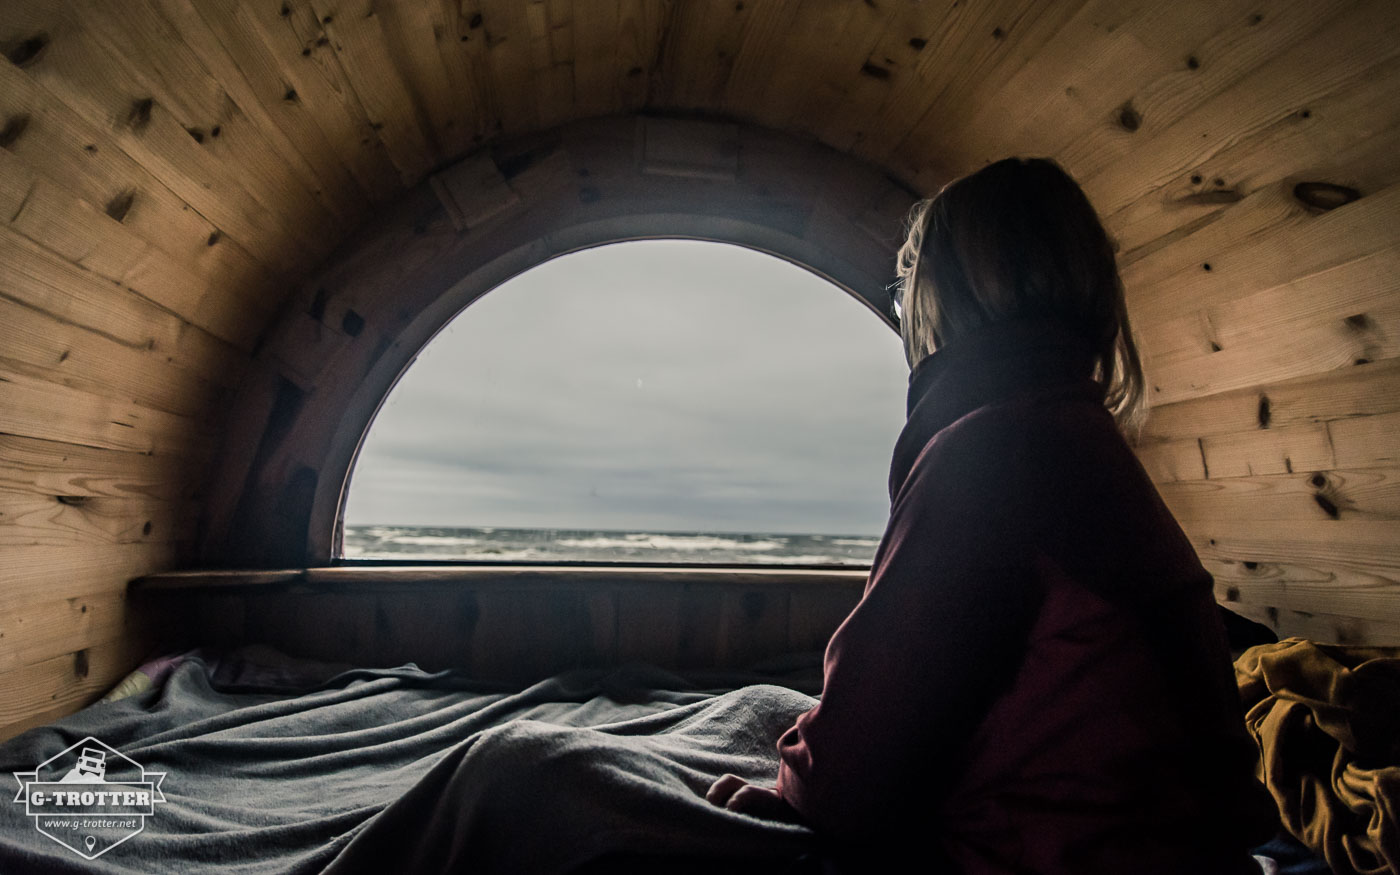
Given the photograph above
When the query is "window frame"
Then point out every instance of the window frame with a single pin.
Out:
(339, 559)
(276, 490)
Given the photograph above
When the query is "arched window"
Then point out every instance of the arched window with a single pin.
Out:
(651, 401)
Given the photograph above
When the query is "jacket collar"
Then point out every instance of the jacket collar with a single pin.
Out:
(992, 363)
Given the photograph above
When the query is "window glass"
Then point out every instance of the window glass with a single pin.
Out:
(650, 401)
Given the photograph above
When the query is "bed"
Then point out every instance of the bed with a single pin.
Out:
(277, 764)
(274, 764)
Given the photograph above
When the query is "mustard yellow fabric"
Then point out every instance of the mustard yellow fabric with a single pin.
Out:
(136, 682)
(1327, 722)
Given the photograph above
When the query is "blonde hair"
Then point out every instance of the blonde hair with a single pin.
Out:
(1019, 238)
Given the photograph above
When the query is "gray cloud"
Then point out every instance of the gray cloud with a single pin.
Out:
(656, 385)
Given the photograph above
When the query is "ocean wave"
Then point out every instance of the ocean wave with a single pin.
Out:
(679, 543)
(806, 559)
(468, 543)
(432, 540)
(377, 532)
(525, 555)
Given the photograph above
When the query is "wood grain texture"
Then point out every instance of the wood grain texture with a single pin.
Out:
(84, 160)
(62, 684)
(200, 198)
(107, 89)
(518, 623)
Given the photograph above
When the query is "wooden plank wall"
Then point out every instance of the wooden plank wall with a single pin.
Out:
(511, 624)
(170, 170)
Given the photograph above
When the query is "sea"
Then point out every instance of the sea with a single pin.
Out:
(496, 544)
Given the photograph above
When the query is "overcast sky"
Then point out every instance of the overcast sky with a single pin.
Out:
(663, 385)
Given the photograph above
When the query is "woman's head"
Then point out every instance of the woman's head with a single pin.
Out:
(1018, 238)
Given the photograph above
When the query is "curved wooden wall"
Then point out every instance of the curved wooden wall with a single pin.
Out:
(172, 171)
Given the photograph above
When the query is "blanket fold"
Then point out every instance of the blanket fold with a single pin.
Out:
(1327, 722)
(275, 769)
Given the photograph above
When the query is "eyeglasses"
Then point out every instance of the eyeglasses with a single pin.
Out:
(896, 290)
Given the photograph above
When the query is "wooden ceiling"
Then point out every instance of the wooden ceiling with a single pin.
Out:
(238, 140)
(172, 170)
(202, 156)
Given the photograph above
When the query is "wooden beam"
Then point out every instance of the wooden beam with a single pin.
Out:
(510, 622)
(392, 577)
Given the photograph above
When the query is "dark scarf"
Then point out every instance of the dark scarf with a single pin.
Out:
(993, 363)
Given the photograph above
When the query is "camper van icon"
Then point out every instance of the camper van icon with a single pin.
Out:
(89, 797)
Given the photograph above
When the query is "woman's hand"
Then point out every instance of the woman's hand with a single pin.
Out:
(735, 794)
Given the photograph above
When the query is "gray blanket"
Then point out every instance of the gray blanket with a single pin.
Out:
(274, 770)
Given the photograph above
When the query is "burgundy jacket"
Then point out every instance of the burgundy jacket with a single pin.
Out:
(1036, 679)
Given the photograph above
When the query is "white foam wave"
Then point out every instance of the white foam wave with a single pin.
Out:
(803, 559)
(683, 543)
(526, 555)
(371, 532)
(433, 540)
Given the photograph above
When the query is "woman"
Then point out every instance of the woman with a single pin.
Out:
(1036, 679)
